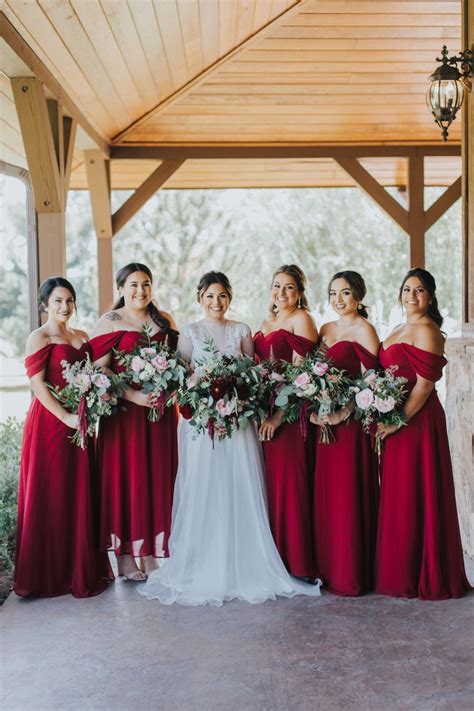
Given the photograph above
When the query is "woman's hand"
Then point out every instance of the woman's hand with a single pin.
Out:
(384, 431)
(269, 426)
(144, 399)
(71, 421)
(335, 418)
(315, 419)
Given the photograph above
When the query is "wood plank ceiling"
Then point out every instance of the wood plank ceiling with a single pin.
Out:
(152, 72)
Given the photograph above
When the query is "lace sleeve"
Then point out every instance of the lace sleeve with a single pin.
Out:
(246, 342)
(185, 343)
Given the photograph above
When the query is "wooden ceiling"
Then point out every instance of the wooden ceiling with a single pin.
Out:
(265, 72)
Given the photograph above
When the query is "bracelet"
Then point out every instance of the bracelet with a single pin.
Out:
(348, 414)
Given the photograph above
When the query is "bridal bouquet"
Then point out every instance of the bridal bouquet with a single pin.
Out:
(220, 395)
(314, 386)
(156, 369)
(377, 398)
(90, 394)
(271, 376)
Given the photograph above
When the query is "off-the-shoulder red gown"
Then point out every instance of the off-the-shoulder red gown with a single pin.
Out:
(56, 546)
(288, 469)
(346, 493)
(137, 462)
(419, 551)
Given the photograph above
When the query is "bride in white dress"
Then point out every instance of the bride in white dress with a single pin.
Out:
(221, 546)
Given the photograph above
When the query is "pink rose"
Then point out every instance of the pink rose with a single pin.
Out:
(83, 380)
(137, 364)
(364, 398)
(386, 405)
(302, 381)
(147, 352)
(320, 368)
(105, 397)
(277, 377)
(223, 409)
(161, 363)
(101, 381)
(371, 378)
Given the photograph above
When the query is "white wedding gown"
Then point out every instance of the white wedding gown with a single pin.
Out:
(221, 546)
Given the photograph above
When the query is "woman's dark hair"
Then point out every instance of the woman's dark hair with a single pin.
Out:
(298, 275)
(429, 283)
(213, 278)
(357, 285)
(47, 288)
(120, 279)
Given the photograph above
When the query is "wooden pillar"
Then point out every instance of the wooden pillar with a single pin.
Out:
(416, 213)
(48, 138)
(98, 180)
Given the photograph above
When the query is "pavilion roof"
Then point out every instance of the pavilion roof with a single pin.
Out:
(239, 73)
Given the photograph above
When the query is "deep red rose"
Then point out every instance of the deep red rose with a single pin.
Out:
(186, 411)
(220, 387)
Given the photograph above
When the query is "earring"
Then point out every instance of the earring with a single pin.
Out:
(359, 307)
(299, 302)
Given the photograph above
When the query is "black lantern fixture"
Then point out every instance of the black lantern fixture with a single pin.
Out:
(447, 86)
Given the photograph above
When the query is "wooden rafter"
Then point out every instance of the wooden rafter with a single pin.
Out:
(416, 212)
(281, 150)
(148, 188)
(41, 145)
(171, 100)
(375, 191)
(443, 203)
(39, 69)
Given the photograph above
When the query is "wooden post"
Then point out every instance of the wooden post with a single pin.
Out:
(98, 180)
(416, 212)
(49, 158)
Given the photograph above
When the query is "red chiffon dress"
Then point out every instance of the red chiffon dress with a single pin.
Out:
(288, 464)
(56, 546)
(419, 551)
(137, 462)
(346, 493)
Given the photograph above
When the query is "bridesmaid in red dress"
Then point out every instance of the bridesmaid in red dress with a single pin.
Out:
(346, 488)
(288, 334)
(136, 458)
(419, 551)
(55, 548)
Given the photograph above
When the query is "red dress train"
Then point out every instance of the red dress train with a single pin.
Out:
(419, 551)
(137, 462)
(288, 462)
(346, 493)
(56, 551)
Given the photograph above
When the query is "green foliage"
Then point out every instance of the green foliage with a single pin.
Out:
(10, 447)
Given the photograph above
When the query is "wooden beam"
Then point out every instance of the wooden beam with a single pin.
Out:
(227, 152)
(98, 180)
(151, 185)
(69, 139)
(209, 71)
(375, 191)
(51, 244)
(38, 140)
(416, 212)
(443, 203)
(105, 272)
(13, 38)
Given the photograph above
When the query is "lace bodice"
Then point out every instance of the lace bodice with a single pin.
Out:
(231, 338)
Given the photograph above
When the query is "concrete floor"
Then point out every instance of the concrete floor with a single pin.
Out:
(120, 652)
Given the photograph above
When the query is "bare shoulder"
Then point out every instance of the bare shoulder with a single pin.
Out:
(107, 323)
(264, 326)
(326, 329)
(170, 319)
(36, 340)
(83, 335)
(429, 338)
(367, 336)
(304, 324)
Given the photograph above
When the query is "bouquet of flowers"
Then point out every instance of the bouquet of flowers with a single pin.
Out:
(271, 374)
(377, 397)
(90, 394)
(314, 386)
(221, 394)
(156, 369)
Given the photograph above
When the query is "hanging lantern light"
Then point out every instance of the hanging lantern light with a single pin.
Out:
(447, 86)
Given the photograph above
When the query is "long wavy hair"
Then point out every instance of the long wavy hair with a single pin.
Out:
(47, 288)
(120, 279)
(299, 277)
(357, 285)
(429, 283)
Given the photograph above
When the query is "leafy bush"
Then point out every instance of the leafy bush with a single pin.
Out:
(10, 446)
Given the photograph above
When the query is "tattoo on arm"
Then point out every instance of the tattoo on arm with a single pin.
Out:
(113, 316)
